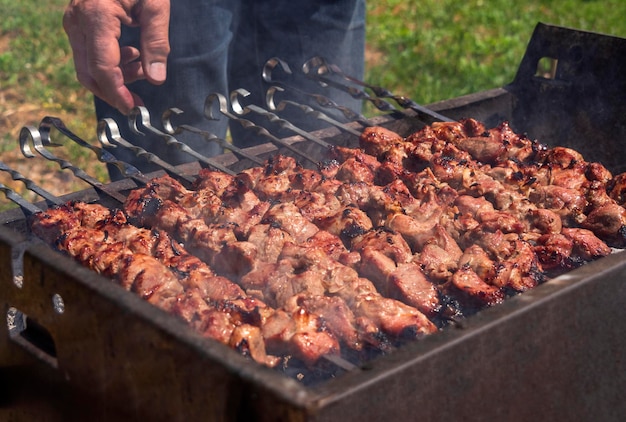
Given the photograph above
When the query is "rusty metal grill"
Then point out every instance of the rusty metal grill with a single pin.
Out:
(553, 352)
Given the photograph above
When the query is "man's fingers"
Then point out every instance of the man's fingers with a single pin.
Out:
(103, 61)
(153, 20)
(94, 28)
(93, 34)
(130, 65)
(79, 50)
(128, 54)
(132, 72)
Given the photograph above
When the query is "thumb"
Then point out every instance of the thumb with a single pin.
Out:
(154, 19)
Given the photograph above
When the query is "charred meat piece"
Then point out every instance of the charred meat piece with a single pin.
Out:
(473, 289)
(608, 222)
(360, 294)
(288, 217)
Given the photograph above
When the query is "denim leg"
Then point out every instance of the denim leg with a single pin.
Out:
(200, 34)
(295, 31)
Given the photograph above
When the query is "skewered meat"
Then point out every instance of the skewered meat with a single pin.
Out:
(275, 283)
(382, 244)
(180, 283)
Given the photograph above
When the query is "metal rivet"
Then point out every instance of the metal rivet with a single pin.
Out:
(58, 304)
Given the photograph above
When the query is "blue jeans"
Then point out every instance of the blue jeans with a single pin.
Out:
(222, 45)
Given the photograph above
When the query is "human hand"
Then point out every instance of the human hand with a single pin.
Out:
(94, 28)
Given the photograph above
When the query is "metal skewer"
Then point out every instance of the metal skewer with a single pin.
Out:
(321, 100)
(103, 155)
(31, 185)
(32, 134)
(354, 92)
(242, 110)
(247, 124)
(317, 67)
(271, 104)
(172, 130)
(27, 207)
(109, 136)
(140, 117)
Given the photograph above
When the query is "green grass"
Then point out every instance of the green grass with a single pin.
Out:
(38, 62)
(37, 78)
(433, 50)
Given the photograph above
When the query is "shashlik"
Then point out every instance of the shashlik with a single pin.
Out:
(381, 244)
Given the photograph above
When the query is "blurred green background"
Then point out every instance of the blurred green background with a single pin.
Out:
(439, 49)
(429, 50)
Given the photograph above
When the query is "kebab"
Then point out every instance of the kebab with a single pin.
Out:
(526, 190)
(151, 264)
(451, 213)
(276, 180)
(278, 281)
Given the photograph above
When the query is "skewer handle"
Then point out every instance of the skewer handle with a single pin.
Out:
(139, 117)
(318, 66)
(222, 102)
(29, 134)
(109, 135)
